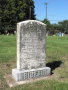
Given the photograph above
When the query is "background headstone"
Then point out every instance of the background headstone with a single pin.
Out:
(31, 52)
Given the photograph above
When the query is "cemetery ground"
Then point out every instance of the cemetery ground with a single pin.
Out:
(57, 59)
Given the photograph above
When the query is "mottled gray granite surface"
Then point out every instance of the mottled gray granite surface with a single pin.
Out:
(31, 43)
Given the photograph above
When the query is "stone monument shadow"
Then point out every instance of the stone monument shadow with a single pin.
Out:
(53, 65)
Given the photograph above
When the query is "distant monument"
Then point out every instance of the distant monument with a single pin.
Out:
(31, 51)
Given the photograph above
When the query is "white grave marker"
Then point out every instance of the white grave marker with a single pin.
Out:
(31, 51)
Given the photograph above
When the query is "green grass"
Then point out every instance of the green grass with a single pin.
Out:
(43, 85)
(7, 48)
(56, 50)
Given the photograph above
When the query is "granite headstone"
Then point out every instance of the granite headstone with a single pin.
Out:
(31, 51)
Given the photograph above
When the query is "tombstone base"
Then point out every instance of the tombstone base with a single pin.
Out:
(21, 75)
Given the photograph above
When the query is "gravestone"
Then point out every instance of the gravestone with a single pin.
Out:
(31, 51)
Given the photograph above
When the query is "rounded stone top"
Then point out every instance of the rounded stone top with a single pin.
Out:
(31, 21)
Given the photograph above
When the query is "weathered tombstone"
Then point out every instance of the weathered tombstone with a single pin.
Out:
(31, 52)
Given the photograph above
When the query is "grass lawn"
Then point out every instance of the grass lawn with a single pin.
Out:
(57, 59)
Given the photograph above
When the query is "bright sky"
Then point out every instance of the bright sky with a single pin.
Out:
(57, 10)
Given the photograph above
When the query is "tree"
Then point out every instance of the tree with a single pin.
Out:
(51, 28)
(64, 26)
(13, 11)
(48, 24)
(2, 8)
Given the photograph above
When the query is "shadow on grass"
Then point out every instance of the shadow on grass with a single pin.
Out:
(53, 65)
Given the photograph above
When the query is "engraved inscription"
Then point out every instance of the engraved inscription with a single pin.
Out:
(34, 74)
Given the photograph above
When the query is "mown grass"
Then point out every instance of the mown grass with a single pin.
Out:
(7, 48)
(57, 47)
(56, 50)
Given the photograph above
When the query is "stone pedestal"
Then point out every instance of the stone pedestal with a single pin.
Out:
(21, 75)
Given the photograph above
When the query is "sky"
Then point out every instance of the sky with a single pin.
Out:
(57, 10)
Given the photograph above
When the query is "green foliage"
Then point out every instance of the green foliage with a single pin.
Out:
(51, 28)
(55, 28)
(13, 11)
(64, 26)
(47, 22)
